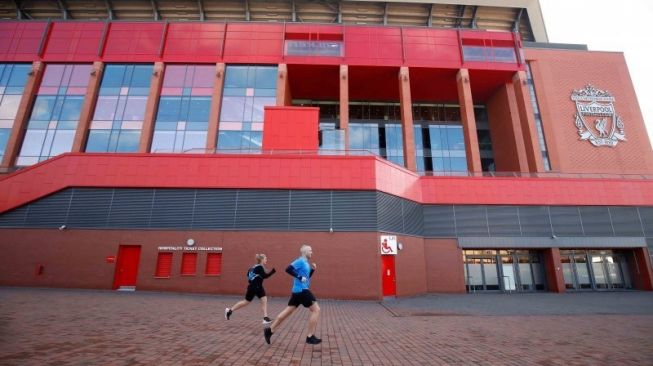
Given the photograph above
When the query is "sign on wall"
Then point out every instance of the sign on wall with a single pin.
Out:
(596, 118)
(388, 244)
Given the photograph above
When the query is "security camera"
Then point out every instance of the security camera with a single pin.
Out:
(62, 227)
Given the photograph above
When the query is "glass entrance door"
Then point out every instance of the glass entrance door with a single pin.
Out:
(594, 270)
(503, 270)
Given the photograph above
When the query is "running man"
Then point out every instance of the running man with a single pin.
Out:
(255, 276)
(302, 272)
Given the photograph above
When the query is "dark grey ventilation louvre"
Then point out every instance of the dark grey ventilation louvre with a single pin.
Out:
(649, 244)
(471, 220)
(413, 218)
(389, 213)
(262, 210)
(131, 208)
(173, 208)
(90, 207)
(566, 221)
(646, 214)
(310, 210)
(503, 220)
(439, 221)
(534, 221)
(50, 211)
(215, 209)
(15, 217)
(625, 221)
(596, 221)
(354, 211)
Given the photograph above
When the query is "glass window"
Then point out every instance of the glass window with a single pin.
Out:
(4, 137)
(185, 106)
(9, 106)
(55, 114)
(122, 100)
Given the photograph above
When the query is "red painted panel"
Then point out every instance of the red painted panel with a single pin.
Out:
(20, 41)
(133, 42)
(314, 82)
(388, 275)
(288, 171)
(74, 41)
(373, 46)
(163, 265)
(247, 42)
(189, 264)
(431, 47)
(213, 264)
(127, 266)
(194, 42)
(291, 128)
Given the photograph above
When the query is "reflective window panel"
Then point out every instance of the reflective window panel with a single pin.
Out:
(55, 114)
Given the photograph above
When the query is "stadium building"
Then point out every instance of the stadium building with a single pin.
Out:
(418, 146)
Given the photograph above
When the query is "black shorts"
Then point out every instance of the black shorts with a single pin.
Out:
(305, 298)
(252, 291)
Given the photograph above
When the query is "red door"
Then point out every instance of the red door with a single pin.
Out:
(388, 275)
(127, 266)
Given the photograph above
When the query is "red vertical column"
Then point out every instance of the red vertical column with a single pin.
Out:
(283, 87)
(406, 106)
(553, 267)
(216, 107)
(151, 107)
(22, 116)
(344, 102)
(469, 121)
(528, 129)
(642, 273)
(88, 108)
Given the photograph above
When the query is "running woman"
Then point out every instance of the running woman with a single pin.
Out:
(255, 275)
(302, 272)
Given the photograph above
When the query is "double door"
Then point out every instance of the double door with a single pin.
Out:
(503, 270)
(594, 270)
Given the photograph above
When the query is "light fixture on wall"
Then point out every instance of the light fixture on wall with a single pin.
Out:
(400, 246)
(62, 227)
(190, 242)
(554, 236)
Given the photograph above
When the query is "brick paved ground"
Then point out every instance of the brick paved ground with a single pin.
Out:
(86, 327)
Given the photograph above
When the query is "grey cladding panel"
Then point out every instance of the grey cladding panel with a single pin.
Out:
(534, 221)
(131, 208)
(646, 214)
(214, 209)
(471, 220)
(413, 218)
(503, 220)
(15, 217)
(389, 213)
(50, 211)
(566, 221)
(354, 211)
(310, 210)
(262, 210)
(173, 208)
(625, 221)
(596, 221)
(90, 207)
(439, 221)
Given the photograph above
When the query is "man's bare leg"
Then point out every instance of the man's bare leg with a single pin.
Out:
(312, 320)
(282, 316)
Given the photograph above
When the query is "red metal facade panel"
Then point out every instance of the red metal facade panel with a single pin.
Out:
(134, 42)
(291, 128)
(431, 47)
(373, 46)
(194, 42)
(20, 41)
(307, 172)
(247, 43)
(74, 41)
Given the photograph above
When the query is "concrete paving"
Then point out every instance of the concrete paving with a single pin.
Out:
(93, 327)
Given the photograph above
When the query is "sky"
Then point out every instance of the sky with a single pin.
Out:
(610, 25)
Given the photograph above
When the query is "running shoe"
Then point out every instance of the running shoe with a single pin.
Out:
(227, 313)
(313, 340)
(266, 320)
(267, 333)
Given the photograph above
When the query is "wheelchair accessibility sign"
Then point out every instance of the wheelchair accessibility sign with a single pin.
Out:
(388, 244)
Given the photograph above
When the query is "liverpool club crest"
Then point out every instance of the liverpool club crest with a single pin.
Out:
(596, 118)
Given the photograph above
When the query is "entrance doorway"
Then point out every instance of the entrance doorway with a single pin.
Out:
(503, 270)
(389, 282)
(127, 267)
(595, 270)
